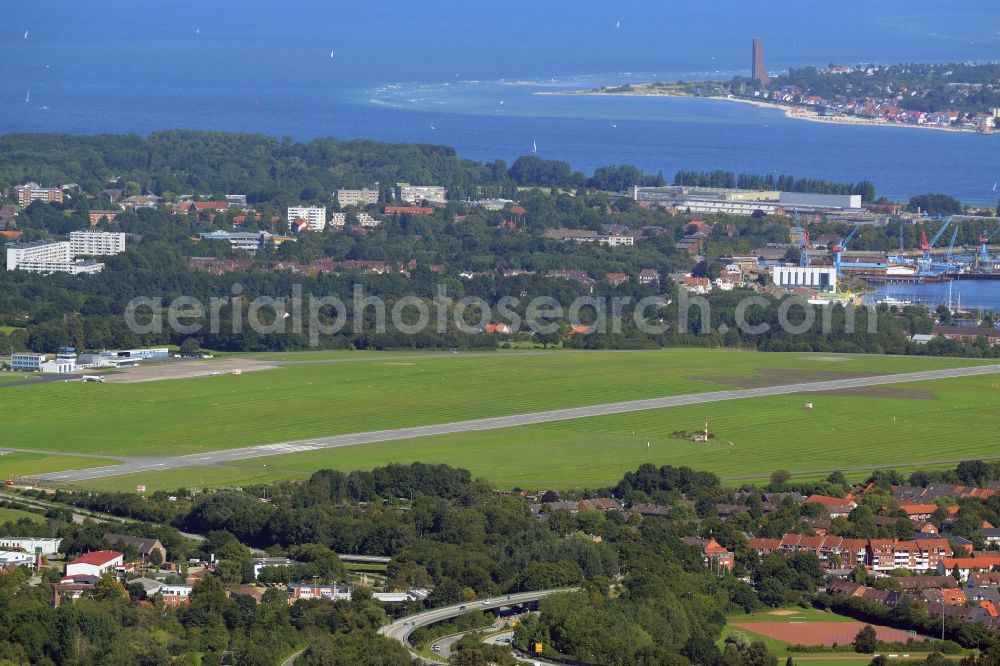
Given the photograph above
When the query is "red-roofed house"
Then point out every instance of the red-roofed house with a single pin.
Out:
(953, 597)
(501, 328)
(96, 563)
(617, 278)
(967, 334)
(837, 506)
(918, 511)
(969, 565)
(715, 556)
(408, 210)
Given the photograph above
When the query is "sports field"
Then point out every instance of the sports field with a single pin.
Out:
(321, 394)
(782, 627)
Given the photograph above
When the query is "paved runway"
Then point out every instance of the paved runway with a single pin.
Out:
(134, 465)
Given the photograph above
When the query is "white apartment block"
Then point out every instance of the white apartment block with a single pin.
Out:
(338, 219)
(418, 193)
(362, 197)
(96, 243)
(367, 221)
(48, 257)
(315, 216)
(40, 251)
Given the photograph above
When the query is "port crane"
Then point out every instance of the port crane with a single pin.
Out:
(926, 245)
(840, 247)
(951, 245)
(983, 242)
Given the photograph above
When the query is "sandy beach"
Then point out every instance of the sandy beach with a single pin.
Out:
(791, 111)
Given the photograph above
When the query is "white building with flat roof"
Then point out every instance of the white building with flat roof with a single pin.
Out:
(38, 251)
(43, 546)
(710, 206)
(26, 363)
(338, 219)
(362, 197)
(823, 278)
(96, 243)
(418, 193)
(240, 240)
(314, 216)
(48, 257)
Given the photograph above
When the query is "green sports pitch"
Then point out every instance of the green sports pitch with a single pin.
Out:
(319, 395)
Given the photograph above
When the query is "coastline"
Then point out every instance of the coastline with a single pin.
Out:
(790, 110)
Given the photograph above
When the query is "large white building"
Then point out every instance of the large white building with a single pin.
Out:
(715, 206)
(26, 363)
(418, 193)
(43, 546)
(96, 563)
(39, 251)
(848, 201)
(249, 241)
(96, 243)
(819, 277)
(47, 257)
(362, 197)
(314, 216)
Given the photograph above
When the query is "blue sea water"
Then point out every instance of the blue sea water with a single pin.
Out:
(393, 70)
(969, 294)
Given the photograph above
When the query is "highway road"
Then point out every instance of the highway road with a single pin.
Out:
(136, 465)
(401, 629)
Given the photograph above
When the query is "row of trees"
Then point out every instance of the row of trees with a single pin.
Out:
(783, 183)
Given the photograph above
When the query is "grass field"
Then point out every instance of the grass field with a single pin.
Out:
(11, 515)
(17, 463)
(920, 425)
(321, 394)
(307, 400)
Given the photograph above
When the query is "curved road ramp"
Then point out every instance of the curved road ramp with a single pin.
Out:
(401, 629)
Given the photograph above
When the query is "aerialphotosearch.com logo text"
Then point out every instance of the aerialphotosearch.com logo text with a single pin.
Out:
(320, 316)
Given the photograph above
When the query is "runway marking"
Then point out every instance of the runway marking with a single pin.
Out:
(499, 422)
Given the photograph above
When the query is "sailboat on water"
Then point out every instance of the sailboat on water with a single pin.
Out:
(27, 98)
(534, 146)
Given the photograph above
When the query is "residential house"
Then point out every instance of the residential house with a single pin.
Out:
(968, 334)
(991, 535)
(714, 556)
(651, 510)
(649, 276)
(918, 511)
(616, 278)
(176, 595)
(968, 565)
(836, 506)
(144, 545)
